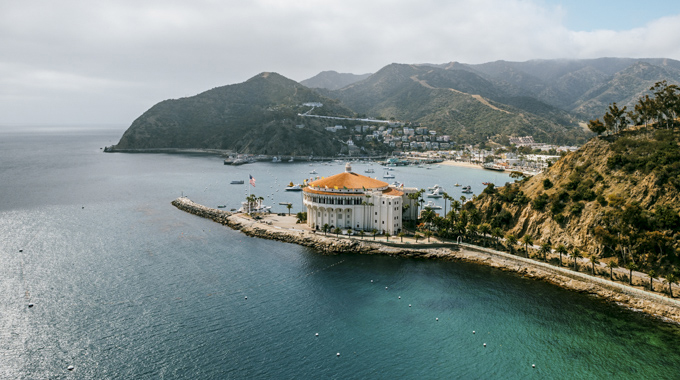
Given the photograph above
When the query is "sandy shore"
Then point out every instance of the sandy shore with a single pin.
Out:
(284, 228)
(461, 164)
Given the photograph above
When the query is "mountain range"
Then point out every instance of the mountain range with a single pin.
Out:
(548, 99)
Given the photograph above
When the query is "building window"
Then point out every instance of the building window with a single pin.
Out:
(383, 222)
(318, 214)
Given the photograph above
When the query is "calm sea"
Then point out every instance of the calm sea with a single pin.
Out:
(125, 286)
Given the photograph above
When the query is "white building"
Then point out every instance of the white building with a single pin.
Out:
(351, 200)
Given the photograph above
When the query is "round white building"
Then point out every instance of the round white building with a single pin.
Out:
(351, 200)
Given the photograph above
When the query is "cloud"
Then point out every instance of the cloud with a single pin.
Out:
(138, 53)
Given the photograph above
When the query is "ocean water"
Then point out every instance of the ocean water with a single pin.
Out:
(124, 285)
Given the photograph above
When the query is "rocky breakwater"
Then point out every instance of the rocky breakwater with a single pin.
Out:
(324, 243)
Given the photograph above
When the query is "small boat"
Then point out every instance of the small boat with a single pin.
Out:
(495, 167)
(291, 159)
(237, 182)
(457, 184)
(430, 205)
(436, 193)
(276, 159)
(486, 183)
(388, 175)
(435, 187)
(467, 189)
(292, 187)
(313, 172)
(221, 206)
(369, 171)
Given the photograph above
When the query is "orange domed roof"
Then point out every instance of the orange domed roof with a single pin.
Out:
(350, 181)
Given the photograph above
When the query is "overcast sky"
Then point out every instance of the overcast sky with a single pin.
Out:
(106, 62)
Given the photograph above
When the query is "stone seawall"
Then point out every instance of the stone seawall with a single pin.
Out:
(323, 243)
(637, 299)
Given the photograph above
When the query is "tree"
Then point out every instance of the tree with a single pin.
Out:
(349, 231)
(545, 249)
(596, 126)
(594, 260)
(361, 234)
(428, 234)
(512, 240)
(576, 254)
(561, 249)
(527, 240)
(497, 233)
(446, 197)
(387, 236)
(485, 229)
(326, 228)
(337, 231)
(374, 232)
(670, 280)
(615, 118)
(401, 236)
(631, 266)
(652, 275)
(416, 236)
(612, 265)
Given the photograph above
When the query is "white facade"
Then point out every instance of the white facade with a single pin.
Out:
(345, 201)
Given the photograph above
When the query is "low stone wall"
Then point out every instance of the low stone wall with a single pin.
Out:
(627, 296)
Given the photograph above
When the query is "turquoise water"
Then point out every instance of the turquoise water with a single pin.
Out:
(127, 286)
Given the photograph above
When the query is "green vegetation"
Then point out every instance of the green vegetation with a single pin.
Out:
(616, 199)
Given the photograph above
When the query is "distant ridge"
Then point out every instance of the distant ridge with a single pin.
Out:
(550, 100)
(332, 80)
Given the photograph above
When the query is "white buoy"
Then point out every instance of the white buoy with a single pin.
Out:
(399, 297)
(409, 305)
(484, 344)
(371, 280)
(70, 368)
(246, 297)
(30, 305)
(386, 288)
(436, 319)
(473, 331)
(317, 334)
(533, 366)
(338, 354)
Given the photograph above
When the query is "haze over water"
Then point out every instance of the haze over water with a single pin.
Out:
(127, 286)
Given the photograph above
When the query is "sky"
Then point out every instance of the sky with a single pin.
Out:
(105, 62)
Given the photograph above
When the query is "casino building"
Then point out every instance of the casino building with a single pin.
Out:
(350, 200)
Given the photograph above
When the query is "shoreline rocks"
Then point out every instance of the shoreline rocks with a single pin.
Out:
(664, 308)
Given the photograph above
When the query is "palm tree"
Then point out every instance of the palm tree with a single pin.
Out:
(446, 197)
(652, 275)
(631, 266)
(326, 228)
(527, 240)
(289, 206)
(472, 230)
(387, 236)
(612, 265)
(374, 232)
(576, 254)
(361, 233)
(670, 280)
(545, 249)
(401, 236)
(512, 240)
(594, 260)
(416, 236)
(337, 231)
(485, 229)
(349, 231)
(497, 233)
(428, 233)
(561, 249)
